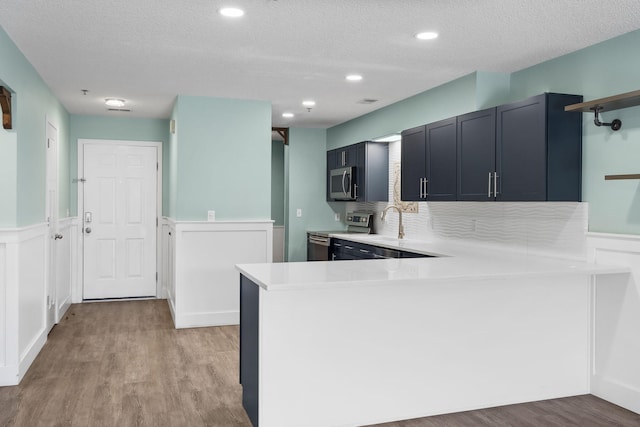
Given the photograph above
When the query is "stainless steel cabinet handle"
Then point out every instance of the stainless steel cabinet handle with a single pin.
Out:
(355, 191)
(364, 251)
(420, 197)
(348, 247)
(489, 186)
(495, 184)
(426, 188)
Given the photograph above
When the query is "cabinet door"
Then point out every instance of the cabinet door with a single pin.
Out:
(331, 164)
(413, 157)
(441, 160)
(521, 150)
(346, 156)
(372, 170)
(476, 154)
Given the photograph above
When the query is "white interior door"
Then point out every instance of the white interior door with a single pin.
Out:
(119, 220)
(52, 222)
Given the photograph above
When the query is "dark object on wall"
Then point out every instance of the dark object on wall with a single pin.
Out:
(616, 102)
(5, 104)
(616, 124)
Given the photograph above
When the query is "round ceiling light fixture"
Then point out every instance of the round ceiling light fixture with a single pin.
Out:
(114, 102)
(287, 115)
(308, 103)
(427, 35)
(231, 12)
(354, 77)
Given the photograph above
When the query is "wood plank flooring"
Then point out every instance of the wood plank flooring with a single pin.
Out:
(124, 364)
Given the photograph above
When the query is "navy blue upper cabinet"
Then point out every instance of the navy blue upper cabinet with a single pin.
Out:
(428, 159)
(413, 157)
(476, 144)
(539, 150)
(372, 170)
(441, 160)
(371, 162)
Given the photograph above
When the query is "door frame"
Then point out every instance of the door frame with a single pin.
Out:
(50, 296)
(78, 292)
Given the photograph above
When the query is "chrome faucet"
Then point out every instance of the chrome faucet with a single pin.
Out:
(400, 227)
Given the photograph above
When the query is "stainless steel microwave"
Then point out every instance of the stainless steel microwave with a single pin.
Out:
(342, 182)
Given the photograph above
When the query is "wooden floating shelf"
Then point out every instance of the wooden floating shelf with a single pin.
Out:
(629, 176)
(617, 102)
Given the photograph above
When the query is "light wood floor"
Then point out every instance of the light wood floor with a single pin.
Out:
(123, 364)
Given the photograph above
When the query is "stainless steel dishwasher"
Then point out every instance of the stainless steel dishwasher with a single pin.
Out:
(318, 246)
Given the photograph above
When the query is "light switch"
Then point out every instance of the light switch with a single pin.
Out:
(299, 212)
(211, 216)
(337, 216)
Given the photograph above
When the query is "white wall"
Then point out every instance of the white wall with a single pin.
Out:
(204, 288)
(22, 306)
(616, 311)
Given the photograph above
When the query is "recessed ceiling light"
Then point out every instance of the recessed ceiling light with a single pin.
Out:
(287, 115)
(428, 35)
(231, 12)
(354, 77)
(112, 102)
(309, 103)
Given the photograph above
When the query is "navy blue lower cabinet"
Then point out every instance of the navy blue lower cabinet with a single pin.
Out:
(249, 330)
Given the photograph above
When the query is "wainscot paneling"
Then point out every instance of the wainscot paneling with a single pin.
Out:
(64, 265)
(22, 299)
(616, 319)
(202, 284)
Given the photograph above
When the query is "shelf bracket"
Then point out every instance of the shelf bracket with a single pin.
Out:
(5, 105)
(615, 124)
(283, 132)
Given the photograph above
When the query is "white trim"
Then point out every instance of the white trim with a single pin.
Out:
(158, 145)
(22, 276)
(616, 314)
(204, 282)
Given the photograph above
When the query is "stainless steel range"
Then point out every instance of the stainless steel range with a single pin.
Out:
(319, 242)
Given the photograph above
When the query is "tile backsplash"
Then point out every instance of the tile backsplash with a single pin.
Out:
(543, 228)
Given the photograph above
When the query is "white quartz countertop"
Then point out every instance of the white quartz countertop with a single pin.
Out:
(452, 261)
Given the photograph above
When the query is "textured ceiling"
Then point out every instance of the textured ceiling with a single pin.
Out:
(285, 51)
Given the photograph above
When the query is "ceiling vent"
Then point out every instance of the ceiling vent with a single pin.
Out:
(367, 101)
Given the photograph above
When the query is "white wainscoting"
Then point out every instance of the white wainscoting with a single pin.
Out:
(616, 321)
(202, 284)
(22, 306)
(64, 265)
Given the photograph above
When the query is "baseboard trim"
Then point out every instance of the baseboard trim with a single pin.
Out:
(200, 320)
(617, 393)
(31, 353)
(9, 376)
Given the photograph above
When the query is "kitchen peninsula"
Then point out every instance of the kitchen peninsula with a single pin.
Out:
(360, 342)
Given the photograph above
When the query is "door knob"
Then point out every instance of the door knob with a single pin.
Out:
(58, 236)
(87, 230)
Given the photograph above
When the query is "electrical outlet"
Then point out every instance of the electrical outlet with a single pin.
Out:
(299, 213)
(211, 216)
(336, 216)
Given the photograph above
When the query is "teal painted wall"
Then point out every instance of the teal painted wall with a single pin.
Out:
(450, 99)
(23, 149)
(277, 182)
(223, 154)
(605, 69)
(306, 169)
(115, 128)
(602, 70)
